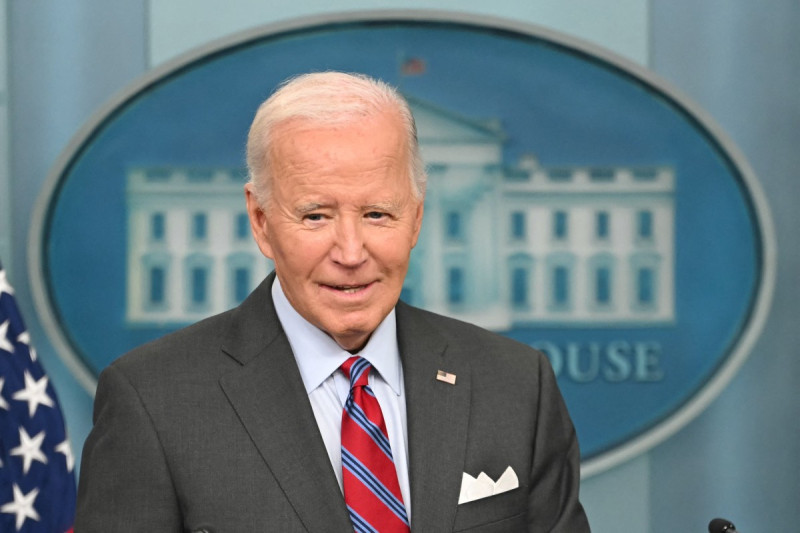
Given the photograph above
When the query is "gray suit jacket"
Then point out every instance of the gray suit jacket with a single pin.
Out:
(210, 428)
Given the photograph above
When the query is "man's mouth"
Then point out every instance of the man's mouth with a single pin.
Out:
(348, 289)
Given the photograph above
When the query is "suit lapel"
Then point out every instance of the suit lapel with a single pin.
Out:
(268, 395)
(437, 415)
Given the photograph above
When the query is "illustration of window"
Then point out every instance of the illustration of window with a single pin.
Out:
(644, 278)
(560, 225)
(157, 227)
(155, 269)
(407, 295)
(601, 281)
(518, 225)
(559, 174)
(644, 225)
(199, 226)
(601, 225)
(519, 287)
(601, 174)
(242, 230)
(603, 285)
(412, 292)
(241, 283)
(156, 174)
(645, 174)
(520, 272)
(198, 282)
(200, 174)
(199, 285)
(239, 267)
(453, 223)
(158, 280)
(560, 273)
(645, 287)
(455, 285)
(561, 286)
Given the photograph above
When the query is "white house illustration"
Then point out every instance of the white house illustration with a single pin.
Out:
(501, 246)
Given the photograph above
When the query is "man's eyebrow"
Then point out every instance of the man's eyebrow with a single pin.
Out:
(307, 208)
(382, 206)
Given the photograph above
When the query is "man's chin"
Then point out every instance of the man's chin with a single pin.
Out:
(352, 339)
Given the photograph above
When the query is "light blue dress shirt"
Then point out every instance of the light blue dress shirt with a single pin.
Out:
(319, 358)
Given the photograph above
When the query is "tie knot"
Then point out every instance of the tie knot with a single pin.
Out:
(357, 371)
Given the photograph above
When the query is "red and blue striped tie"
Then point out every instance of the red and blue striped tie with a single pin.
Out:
(371, 490)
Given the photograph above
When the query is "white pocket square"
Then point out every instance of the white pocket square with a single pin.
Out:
(482, 486)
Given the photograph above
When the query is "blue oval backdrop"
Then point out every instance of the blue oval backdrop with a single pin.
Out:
(576, 203)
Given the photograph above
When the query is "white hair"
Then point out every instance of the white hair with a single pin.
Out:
(327, 98)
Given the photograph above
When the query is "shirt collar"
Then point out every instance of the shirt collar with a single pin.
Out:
(318, 356)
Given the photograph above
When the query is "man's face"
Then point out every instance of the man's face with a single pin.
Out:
(340, 221)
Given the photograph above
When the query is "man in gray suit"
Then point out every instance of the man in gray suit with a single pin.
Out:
(236, 423)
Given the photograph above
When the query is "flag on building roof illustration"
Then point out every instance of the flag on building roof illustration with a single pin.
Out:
(37, 482)
(413, 66)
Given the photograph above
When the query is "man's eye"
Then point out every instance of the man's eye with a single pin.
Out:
(313, 217)
(375, 215)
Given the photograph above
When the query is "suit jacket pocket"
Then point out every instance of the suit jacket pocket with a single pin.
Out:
(508, 506)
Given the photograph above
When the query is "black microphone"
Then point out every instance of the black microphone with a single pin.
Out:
(720, 525)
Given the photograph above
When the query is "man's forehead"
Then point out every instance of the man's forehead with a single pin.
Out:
(339, 120)
(377, 140)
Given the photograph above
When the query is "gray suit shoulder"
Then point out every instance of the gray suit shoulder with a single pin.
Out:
(200, 344)
(187, 339)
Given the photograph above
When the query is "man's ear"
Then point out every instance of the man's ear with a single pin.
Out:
(418, 222)
(259, 224)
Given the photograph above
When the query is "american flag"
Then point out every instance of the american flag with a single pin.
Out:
(413, 66)
(37, 482)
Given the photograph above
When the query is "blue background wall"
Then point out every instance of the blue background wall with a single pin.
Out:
(735, 58)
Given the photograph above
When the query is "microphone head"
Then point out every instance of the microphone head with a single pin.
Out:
(720, 525)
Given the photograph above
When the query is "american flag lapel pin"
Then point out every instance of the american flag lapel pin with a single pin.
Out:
(447, 377)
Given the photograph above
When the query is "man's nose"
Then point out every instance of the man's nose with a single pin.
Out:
(349, 247)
